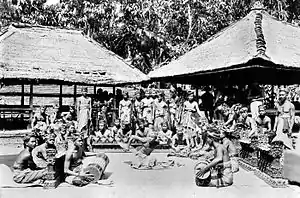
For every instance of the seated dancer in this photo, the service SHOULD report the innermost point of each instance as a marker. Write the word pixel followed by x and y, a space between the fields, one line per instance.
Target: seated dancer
pixel 40 119
pixel 246 122
pixel 180 144
pixel 165 133
pixel 24 169
pixel 142 153
pixel 103 134
pixel 73 165
pixel 232 152
pixel 39 155
pixel 220 166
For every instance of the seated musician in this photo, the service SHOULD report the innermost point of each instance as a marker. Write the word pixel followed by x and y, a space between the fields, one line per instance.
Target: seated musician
pixel 220 166
pixel 39 153
pixel 180 144
pixel 24 169
pixel 40 119
pixel 231 149
pixel 73 165
pixel 71 129
pixel 246 122
pixel 233 115
pixel 203 151
pixel 262 120
pixel 103 133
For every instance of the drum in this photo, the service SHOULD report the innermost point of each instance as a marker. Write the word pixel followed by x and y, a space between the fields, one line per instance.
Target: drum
pixel 204 179
pixel 95 166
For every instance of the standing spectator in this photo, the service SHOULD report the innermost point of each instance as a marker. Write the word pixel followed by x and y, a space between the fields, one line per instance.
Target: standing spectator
pixel 125 108
pixel 285 120
pixel 208 104
pixel 84 113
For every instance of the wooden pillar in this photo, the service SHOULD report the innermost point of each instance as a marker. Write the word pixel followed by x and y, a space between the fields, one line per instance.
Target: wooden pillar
pixel 197 94
pixel 114 104
pixel 272 97
pixel 22 97
pixel 75 93
pixel 60 95
pixel 95 89
pixel 31 103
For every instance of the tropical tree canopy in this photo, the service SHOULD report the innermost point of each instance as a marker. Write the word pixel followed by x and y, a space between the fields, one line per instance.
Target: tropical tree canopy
pixel 147 33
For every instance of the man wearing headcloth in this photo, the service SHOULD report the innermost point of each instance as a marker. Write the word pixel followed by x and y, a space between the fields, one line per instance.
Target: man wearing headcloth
pixel 246 122
pixel 24 169
pixel 285 120
pixel 147 105
pixel 159 112
pixel 84 112
pixel 220 166
pixel 74 167
pixel 39 153
pixel 262 120
pixel 125 108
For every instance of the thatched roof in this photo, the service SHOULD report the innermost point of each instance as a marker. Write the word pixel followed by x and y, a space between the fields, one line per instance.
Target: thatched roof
pixel 256 48
pixel 51 55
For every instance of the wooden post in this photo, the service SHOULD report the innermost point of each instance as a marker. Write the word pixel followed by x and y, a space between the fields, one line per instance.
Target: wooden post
pixel 75 93
pixel 114 105
pixel 22 97
pixel 95 89
pixel 31 102
pixel 22 100
pixel 60 95
pixel 197 94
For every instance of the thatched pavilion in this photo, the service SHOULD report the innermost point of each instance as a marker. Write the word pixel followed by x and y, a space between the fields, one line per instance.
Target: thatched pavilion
pixel 257 48
pixel 47 55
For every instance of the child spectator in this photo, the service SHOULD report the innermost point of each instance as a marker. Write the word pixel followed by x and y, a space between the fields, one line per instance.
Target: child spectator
pixel 103 134
pixel 142 130
pixel 125 132
pixel 165 133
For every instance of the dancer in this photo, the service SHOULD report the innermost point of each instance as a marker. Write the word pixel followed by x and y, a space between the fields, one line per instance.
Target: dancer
pixel 24 169
pixel 142 153
pixel 190 111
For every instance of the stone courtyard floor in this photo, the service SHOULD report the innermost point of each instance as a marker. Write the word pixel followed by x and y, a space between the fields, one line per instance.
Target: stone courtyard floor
pixel 175 182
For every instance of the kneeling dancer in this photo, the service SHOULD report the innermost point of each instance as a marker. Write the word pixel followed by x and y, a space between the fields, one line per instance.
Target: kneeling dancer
pixel 24 169
pixel 142 153
pixel 220 166
pixel 77 172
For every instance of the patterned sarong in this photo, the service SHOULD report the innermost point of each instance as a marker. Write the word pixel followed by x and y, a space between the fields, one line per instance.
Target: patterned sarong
pixel 28 175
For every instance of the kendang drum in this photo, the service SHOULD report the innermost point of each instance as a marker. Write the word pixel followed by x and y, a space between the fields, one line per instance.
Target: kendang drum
pixel 204 179
pixel 95 166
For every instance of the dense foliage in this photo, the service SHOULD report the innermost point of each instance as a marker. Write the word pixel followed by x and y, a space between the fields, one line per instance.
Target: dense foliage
pixel 147 33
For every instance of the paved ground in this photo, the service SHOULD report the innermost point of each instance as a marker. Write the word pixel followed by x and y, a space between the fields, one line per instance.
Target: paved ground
pixel 176 182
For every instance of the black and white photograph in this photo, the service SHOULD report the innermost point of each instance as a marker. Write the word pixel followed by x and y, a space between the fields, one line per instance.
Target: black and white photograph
pixel 149 98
